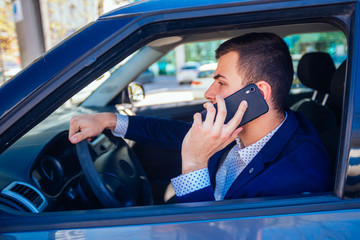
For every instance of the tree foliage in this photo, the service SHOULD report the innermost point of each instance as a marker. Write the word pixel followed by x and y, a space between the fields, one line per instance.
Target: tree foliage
pixel 8 40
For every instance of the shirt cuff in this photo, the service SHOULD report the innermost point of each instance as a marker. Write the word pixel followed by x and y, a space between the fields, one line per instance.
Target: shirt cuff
pixel 191 182
pixel 122 123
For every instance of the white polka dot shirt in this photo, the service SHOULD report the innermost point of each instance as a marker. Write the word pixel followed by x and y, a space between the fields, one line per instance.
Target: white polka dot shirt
pixel 235 162
pixel 122 123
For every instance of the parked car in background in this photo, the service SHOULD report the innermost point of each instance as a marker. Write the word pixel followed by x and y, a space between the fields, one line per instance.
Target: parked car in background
pixel 187 72
pixel 46 192
pixel 203 80
pixel 205 76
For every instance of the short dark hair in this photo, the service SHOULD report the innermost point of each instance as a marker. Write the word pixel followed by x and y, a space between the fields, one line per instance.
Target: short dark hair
pixel 263 56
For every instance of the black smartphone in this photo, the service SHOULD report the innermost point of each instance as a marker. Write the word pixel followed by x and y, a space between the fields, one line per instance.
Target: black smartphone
pixel 257 106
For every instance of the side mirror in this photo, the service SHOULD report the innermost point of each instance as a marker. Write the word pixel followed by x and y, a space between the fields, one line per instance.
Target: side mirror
pixel 136 92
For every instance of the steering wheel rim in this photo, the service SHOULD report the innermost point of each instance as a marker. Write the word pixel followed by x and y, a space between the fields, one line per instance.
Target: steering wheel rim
pixel 96 183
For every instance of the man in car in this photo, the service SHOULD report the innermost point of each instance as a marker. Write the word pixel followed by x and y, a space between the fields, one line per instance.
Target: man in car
pixel 279 153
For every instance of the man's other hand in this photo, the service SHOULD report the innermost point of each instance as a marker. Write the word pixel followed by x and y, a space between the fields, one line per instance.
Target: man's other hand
pixel 206 138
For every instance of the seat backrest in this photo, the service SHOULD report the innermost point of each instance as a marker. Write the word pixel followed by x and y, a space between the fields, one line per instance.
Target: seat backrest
pixel 315 70
pixel 337 91
pixel 330 138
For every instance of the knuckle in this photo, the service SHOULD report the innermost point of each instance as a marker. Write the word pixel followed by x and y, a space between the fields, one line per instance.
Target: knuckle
pixel 215 135
pixel 224 137
pixel 75 120
pixel 196 125
pixel 205 130
pixel 196 129
pixel 222 112
pixel 211 110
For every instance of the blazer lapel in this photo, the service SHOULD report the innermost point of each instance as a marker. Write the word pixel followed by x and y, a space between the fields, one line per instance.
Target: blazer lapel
pixel 267 154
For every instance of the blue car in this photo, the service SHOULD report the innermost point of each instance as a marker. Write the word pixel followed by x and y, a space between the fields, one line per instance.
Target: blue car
pixel 48 191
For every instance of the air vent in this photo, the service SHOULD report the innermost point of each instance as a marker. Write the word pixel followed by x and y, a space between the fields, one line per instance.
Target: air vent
pixel 26 195
pixel 13 203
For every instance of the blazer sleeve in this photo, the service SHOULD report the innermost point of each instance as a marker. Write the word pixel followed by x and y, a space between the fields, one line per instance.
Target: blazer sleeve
pixel 163 133
pixel 201 195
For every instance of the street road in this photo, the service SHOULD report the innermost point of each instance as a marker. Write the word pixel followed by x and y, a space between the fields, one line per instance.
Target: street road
pixel 165 89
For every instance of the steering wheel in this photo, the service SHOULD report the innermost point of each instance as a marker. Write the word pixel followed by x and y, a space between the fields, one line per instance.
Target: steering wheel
pixel 116 177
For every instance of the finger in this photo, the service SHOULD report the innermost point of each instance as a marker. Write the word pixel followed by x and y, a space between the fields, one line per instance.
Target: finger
pixel 235 121
pixel 78 137
pixel 83 134
pixel 221 113
pixel 197 119
pixel 210 115
pixel 232 137
pixel 235 134
pixel 74 127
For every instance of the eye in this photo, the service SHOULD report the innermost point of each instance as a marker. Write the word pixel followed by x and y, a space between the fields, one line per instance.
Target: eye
pixel 221 83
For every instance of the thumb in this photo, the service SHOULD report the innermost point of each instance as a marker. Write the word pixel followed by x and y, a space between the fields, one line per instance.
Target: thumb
pixel 78 137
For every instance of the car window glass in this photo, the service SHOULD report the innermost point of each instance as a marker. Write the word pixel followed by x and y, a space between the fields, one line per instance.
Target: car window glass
pixel 189 81
pixel 185 73
pixel 333 43
pixel 177 75
pixel 90 88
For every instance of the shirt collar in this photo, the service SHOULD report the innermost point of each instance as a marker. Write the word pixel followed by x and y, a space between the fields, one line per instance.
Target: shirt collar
pixel 248 153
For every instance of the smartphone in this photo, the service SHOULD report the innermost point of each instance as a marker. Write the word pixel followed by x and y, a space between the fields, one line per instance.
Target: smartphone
pixel 257 105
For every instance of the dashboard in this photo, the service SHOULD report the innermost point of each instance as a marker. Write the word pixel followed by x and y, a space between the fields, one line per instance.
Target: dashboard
pixel 55 180
pixel 57 166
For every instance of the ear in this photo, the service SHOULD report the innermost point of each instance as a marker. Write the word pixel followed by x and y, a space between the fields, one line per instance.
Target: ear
pixel 265 90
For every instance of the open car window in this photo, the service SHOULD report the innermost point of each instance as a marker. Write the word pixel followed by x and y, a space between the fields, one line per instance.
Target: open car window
pixel 169 80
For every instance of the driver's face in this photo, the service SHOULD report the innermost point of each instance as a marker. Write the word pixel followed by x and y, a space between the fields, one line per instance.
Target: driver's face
pixel 226 78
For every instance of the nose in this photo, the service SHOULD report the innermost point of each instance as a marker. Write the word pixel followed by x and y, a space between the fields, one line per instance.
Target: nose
pixel 210 94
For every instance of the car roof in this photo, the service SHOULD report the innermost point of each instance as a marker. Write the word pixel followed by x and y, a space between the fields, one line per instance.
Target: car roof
pixel 155 6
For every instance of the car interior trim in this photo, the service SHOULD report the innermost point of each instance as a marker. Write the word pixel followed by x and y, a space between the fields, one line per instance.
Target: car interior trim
pixel 27 195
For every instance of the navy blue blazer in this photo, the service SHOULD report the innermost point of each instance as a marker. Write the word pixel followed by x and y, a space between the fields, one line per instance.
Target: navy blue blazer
pixel 293 161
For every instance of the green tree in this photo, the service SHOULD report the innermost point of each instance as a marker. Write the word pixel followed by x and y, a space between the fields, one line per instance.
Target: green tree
pixel 8 41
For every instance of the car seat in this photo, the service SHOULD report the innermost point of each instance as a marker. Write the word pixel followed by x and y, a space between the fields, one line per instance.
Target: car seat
pixel 330 137
pixel 315 70
pixel 337 91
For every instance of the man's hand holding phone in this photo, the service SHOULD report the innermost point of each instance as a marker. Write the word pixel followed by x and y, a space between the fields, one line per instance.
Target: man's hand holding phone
pixel 206 138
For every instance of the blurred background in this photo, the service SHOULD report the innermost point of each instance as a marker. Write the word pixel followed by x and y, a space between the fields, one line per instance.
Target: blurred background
pixel 28 28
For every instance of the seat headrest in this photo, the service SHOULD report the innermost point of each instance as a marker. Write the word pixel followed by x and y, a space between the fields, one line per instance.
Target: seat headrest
pixel 315 71
pixel 338 85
